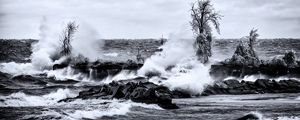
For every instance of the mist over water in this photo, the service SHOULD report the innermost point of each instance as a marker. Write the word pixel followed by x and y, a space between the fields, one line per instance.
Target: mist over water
pixel 178 64
pixel 86 43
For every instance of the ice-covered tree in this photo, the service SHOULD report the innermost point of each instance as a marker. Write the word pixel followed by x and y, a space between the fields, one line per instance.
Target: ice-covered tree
pixel 66 38
pixel 252 39
pixel 245 53
pixel 203 17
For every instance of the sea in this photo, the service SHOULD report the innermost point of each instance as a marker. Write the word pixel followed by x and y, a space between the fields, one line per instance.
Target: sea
pixel 37 99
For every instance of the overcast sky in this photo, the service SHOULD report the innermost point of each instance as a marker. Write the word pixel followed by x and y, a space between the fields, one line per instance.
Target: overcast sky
pixel 149 18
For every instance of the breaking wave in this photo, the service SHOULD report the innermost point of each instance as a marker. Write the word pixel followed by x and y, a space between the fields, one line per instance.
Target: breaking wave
pixel 253 78
pixel 91 109
pixel 21 99
pixel 178 64
pixel 260 116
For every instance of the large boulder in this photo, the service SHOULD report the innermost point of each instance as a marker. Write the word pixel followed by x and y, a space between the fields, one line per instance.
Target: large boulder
pixel 144 92
pixel 250 116
pixel 179 93
pixel 100 70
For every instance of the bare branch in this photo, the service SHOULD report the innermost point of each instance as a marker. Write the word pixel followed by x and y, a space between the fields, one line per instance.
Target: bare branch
pixel 67 37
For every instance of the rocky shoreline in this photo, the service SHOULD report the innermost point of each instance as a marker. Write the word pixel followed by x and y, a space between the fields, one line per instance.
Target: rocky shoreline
pixel 222 70
pixel 141 92
pixel 260 86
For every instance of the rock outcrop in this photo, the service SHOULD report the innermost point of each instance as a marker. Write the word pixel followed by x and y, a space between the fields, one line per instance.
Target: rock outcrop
pixel 143 92
pixel 100 70
pixel 258 87
pixel 243 56
pixel 287 65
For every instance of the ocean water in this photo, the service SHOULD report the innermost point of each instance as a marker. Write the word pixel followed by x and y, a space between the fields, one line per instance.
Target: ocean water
pixel 35 100
pixel 216 107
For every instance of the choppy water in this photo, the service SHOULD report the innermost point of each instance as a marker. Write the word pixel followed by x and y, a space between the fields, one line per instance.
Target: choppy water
pixel 27 101
pixel 217 107
pixel 222 48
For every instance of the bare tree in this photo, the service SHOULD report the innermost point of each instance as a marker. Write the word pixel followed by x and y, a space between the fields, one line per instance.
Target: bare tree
pixel 67 37
pixel 203 15
pixel 139 57
pixel 253 35
pixel 244 53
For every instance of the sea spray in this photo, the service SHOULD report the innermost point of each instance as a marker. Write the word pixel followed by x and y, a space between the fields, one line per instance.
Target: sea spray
pixel 176 48
pixel 114 107
pixel 87 42
pixel 190 76
pixel 255 77
pixel 48 47
pixel 178 64
pixel 21 99
pixel 259 116
pixel 86 45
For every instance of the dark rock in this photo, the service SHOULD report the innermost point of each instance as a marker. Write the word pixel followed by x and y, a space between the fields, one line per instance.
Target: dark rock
pixel 100 70
pixel 180 94
pixel 243 63
pixel 263 83
pixel 4 76
pixel 247 87
pixel 150 74
pixel 144 92
pixel 222 71
pixel 59 66
pixel 128 89
pixel 68 81
pixel 117 92
pixel 250 116
pixel 232 83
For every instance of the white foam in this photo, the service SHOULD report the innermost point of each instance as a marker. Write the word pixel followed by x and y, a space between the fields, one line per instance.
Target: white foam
pixel 65 73
pixel 86 43
pixel 111 54
pixel 97 108
pixel 253 78
pixel 188 73
pixel 20 99
pixel 262 117
pixel 111 109
pixel 18 68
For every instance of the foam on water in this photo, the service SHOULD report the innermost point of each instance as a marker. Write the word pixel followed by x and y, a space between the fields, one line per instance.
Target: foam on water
pixel 86 43
pixel 123 75
pixel 92 109
pixel 66 73
pixel 253 78
pixel 189 75
pixel 115 107
pixel 114 54
pixel 21 99
pixel 18 68
pixel 28 69
pixel 262 117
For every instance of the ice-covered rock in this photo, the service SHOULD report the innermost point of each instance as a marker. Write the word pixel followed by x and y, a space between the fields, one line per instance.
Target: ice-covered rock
pixel 243 56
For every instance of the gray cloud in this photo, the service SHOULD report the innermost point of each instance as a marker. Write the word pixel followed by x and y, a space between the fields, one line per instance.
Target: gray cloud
pixel 149 19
